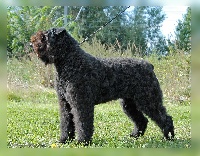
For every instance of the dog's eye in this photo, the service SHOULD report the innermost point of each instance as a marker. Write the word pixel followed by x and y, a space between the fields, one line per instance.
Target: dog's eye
pixel 53 31
pixel 43 38
pixel 39 45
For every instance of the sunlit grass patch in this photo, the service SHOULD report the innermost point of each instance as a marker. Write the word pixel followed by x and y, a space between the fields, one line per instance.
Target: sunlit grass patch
pixel 36 125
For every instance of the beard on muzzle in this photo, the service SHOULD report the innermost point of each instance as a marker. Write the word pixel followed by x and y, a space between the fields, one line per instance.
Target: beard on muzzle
pixel 45 59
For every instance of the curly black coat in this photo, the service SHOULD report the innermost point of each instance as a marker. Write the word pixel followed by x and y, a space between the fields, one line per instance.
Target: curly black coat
pixel 84 81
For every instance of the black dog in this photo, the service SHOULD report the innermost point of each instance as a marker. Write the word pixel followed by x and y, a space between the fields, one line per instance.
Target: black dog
pixel 84 81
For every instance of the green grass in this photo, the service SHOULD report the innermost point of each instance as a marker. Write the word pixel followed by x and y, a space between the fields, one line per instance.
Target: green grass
pixel 34 122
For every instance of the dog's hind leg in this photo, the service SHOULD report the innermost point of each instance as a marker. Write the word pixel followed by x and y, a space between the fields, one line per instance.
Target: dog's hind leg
pixel 157 113
pixel 139 120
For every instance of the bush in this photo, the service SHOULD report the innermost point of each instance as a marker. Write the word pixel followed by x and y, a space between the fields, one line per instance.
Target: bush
pixel 174 75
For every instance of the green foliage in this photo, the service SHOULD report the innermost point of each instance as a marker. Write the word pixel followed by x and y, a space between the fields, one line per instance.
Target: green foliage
pixel 137 28
pixel 114 33
pixel 137 31
pixel 174 75
pixel 144 31
pixel 183 32
pixel 87 23
pixel 27 72
pixel 13 97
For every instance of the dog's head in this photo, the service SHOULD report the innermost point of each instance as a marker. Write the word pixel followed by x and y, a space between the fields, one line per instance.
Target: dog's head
pixel 47 44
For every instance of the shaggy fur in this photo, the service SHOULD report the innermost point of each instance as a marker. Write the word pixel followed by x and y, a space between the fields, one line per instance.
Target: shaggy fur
pixel 84 81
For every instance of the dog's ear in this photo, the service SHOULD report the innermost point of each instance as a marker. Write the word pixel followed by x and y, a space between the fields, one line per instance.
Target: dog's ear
pixel 54 32
pixel 60 31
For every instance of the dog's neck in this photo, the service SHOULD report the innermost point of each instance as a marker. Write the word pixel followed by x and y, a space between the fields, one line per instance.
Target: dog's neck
pixel 70 55
pixel 68 62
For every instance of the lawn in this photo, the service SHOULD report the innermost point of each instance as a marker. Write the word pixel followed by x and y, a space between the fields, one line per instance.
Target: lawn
pixel 33 122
